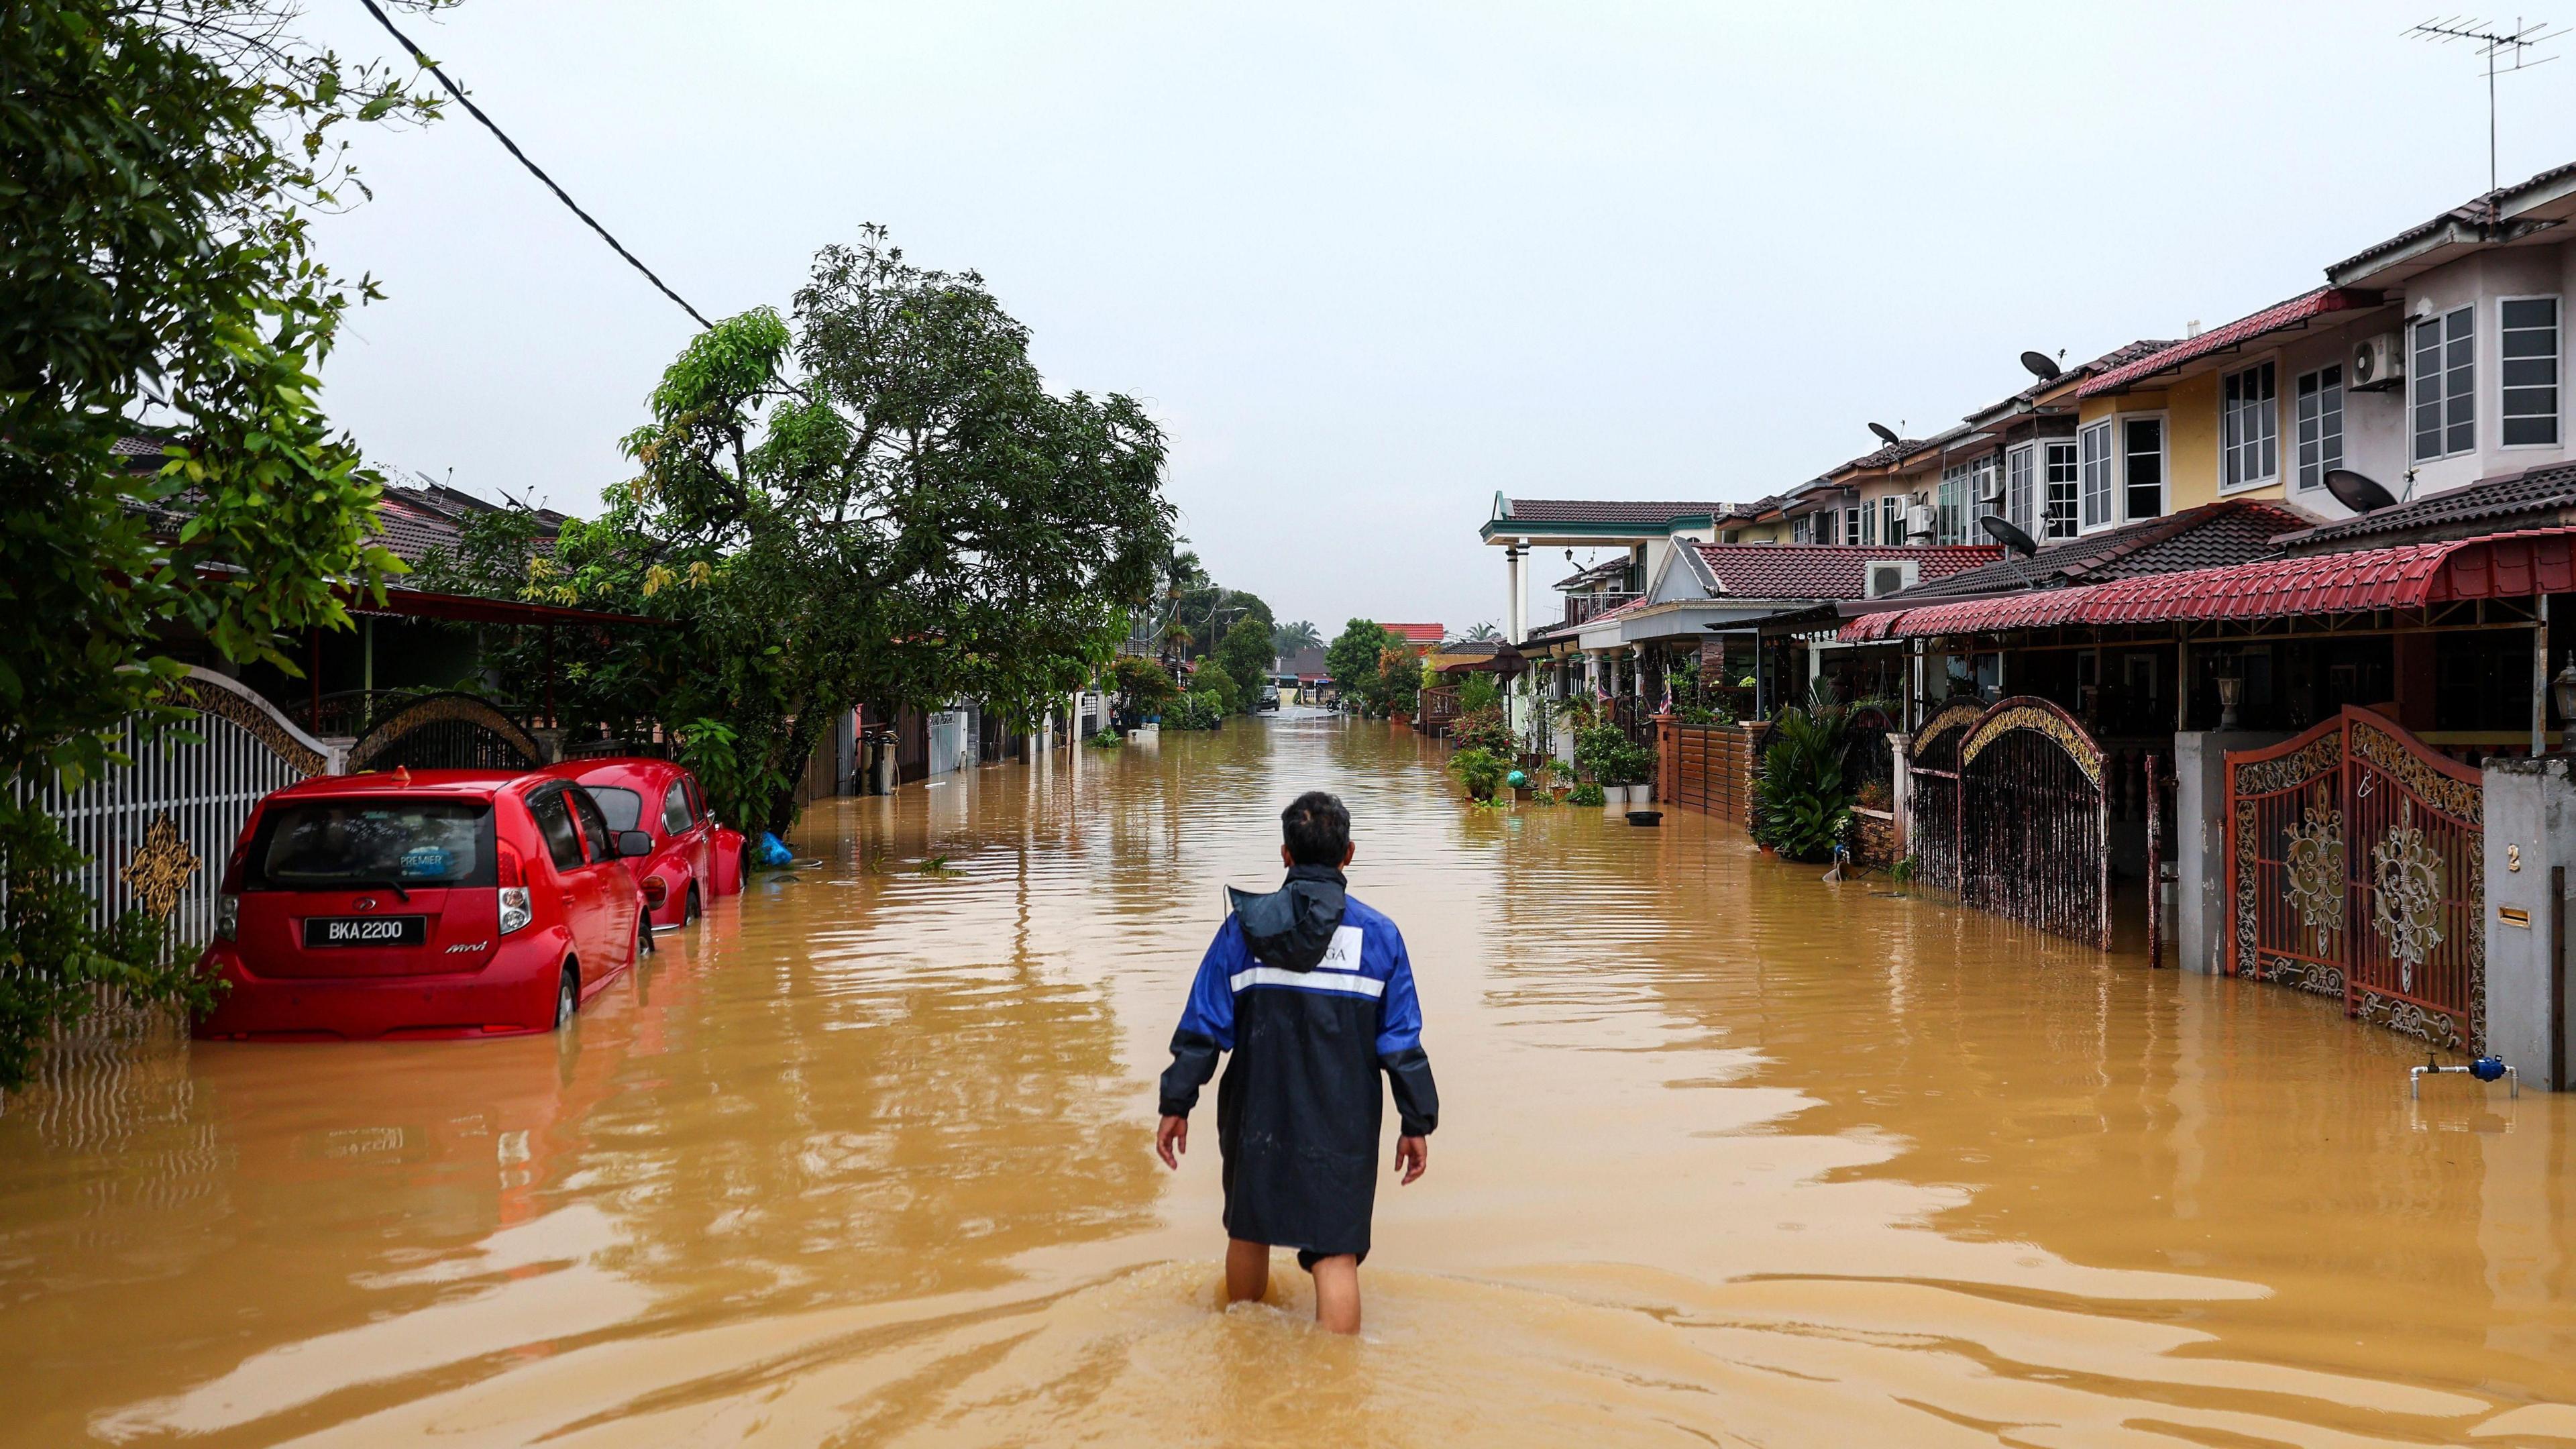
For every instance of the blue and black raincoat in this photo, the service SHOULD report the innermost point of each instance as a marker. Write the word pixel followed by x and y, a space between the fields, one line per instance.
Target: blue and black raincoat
pixel 1311 992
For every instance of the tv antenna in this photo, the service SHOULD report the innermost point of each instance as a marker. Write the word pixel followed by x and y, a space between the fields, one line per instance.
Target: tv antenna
pixel 2512 47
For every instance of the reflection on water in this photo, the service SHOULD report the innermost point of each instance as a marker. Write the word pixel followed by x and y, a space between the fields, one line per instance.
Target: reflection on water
pixel 1728 1155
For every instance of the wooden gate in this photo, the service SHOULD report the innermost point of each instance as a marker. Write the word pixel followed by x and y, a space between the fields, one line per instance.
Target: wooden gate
pixel 1439 709
pixel 1932 814
pixel 2034 822
pixel 1707 768
pixel 158 830
pixel 2356 869
pixel 450 731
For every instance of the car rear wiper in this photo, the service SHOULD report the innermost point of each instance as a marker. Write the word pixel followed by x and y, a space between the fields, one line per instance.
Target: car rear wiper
pixel 392 885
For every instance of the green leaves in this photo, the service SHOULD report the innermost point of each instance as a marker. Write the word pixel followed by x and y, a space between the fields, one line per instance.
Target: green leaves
pixel 155 264
pixel 1801 806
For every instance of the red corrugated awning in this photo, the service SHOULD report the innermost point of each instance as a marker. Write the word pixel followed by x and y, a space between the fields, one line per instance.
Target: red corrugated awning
pixel 2498 566
pixel 2292 313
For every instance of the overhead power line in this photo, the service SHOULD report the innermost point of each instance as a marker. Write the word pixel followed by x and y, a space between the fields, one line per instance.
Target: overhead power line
pixel 422 58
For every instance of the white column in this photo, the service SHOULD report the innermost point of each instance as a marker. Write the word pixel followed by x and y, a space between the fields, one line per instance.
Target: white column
pixel 1516 611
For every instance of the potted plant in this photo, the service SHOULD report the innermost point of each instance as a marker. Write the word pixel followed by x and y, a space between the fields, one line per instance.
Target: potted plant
pixel 1481 771
pixel 1802 809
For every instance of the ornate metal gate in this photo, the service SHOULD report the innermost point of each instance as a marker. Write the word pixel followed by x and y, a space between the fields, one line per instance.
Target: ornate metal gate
pixel 445 732
pixel 1932 823
pixel 2034 822
pixel 157 831
pixel 2356 869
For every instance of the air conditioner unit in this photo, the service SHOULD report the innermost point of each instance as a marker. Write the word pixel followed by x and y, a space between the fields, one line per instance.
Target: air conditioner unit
pixel 1886 576
pixel 2377 362
pixel 1918 523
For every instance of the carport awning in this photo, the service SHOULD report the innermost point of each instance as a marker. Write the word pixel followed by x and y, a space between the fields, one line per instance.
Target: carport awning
pixel 2415 576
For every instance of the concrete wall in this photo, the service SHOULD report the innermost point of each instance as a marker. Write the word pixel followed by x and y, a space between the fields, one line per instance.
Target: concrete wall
pixel 2200 851
pixel 2530 811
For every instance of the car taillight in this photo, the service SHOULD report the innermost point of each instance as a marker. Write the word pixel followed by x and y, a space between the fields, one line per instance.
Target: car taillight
pixel 513 894
pixel 656 891
pixel 514 908
pixel 227 917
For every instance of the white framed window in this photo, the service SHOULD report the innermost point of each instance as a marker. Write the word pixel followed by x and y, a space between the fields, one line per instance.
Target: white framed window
pixel 2057 478
pixel 2142 467
pixel 2249 428
pixel 2320 407
pixel 1950 513
pixel 1851 524
pixel 1868 522
pixel 1891 519
pixel 2442 380
pixel 2527 329
pixel 1802 529
pixel 2095 443
pixel 2021 469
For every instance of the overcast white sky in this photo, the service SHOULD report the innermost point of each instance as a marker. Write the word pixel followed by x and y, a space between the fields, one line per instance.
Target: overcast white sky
pixel 1371 263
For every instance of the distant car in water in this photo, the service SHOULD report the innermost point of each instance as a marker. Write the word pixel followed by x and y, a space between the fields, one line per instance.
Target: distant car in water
pixel 435 903
pixel 1270 696
pixel 686 866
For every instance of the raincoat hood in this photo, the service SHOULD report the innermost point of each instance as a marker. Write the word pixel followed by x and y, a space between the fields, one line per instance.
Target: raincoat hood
pixel 1293 926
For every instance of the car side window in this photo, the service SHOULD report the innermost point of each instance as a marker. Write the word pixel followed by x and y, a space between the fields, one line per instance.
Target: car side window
pixel 554 820
pixel 594 825
pixel 675 809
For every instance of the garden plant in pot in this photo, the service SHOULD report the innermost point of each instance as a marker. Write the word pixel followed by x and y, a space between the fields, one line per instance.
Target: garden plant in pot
pixel 1618 766
pixel 1481 771
pixel 1802 808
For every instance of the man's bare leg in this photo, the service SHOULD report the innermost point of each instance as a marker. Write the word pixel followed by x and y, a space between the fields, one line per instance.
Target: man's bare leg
pixel 1247 1271
pixel 1337 1293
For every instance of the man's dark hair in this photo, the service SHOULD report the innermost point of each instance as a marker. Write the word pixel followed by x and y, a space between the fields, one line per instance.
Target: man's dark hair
pixel 1317 828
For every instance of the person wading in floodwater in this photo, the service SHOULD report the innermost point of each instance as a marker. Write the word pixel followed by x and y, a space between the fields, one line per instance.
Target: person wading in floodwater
pixel 1312 993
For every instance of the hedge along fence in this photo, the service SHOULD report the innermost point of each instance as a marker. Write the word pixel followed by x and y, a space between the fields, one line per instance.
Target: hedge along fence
pixel 1708 768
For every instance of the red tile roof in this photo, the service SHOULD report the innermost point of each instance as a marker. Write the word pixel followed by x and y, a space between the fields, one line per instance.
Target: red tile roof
pixel 1417 633
pixel 1826 570
pixel 2291 313
pixel 2412 576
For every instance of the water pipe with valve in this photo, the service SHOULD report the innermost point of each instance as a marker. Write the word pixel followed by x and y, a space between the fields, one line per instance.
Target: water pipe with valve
pixel 2485 1069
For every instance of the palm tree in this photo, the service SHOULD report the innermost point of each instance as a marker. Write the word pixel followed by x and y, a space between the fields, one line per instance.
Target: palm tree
pixel 1479 633
pixel 1287 639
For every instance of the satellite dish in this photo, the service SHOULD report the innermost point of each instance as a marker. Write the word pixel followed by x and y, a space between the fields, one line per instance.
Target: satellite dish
pixel 2004 531
pixel 2041 366
pixel 2357 492
pixel 1885 433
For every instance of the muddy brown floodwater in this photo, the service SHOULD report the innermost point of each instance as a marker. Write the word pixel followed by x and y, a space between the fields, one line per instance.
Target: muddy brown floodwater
pixel 1728 1155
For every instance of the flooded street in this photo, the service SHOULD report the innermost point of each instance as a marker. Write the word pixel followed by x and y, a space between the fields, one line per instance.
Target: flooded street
pixel 1727 1155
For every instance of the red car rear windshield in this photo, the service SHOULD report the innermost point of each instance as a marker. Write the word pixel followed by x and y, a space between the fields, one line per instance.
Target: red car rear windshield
pixel 345 843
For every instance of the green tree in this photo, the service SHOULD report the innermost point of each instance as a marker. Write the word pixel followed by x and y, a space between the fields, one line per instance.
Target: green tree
pixel 156 276
pixel 1352 657
pixel 1287 639
pixel 1246 658
pixel 1397 686
pixel 874 497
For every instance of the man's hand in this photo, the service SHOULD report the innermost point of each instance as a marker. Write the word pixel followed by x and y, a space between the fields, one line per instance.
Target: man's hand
pixel 1412 1157
pixel 1172 1139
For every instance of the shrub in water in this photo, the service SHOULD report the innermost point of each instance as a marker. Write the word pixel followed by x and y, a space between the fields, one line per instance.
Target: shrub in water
pixel 1481 771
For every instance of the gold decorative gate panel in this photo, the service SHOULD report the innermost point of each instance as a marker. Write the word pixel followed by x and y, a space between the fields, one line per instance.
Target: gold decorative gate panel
pixel 2034 823
pixel 1932 811
pixel 2356 869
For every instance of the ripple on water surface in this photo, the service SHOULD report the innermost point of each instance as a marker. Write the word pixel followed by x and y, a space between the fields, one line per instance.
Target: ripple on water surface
pixel 1728 1155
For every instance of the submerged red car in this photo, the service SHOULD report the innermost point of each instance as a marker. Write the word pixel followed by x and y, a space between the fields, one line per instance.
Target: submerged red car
pixel 424 904
pixel 693 860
